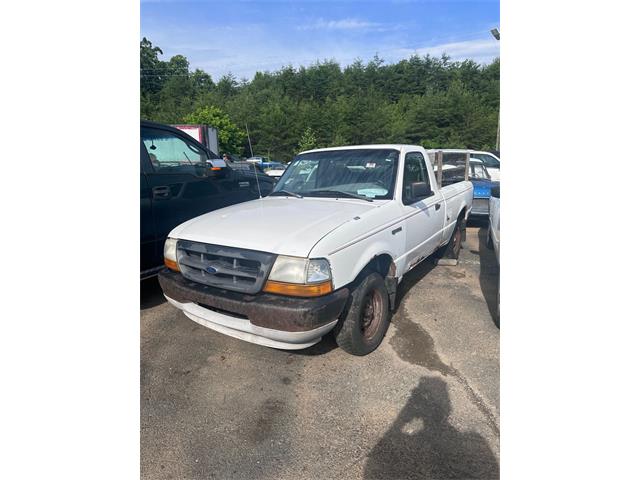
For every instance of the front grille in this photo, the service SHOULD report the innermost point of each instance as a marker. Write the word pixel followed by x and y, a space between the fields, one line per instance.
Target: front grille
pixel 230 268
pixel 480 205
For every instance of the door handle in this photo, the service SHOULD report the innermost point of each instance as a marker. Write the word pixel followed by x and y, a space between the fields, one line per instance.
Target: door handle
pixel 161 193
pixel 437 206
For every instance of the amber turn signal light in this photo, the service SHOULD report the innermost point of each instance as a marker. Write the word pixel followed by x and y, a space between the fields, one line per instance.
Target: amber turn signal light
pixel 298 290
pixel 171 265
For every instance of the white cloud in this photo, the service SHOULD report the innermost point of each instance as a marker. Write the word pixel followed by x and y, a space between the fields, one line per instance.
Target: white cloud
pixel 482 50
pixel 243 52
pixel 348 24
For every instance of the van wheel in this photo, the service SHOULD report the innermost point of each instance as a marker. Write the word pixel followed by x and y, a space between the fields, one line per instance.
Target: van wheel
pixel 366 320
pixel 452 249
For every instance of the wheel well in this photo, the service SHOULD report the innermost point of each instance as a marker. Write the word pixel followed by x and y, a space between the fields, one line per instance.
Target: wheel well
pixel 462 220
pixel 383 264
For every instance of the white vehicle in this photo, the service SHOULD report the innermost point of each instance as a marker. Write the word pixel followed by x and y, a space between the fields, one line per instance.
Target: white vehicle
pixel 489 159
pixel 493 233
pixel 257 159
pixel 275 172
pixel 324 252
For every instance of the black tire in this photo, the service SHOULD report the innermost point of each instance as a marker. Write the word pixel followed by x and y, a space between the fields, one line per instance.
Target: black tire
pixel 452 249
pixel 365 320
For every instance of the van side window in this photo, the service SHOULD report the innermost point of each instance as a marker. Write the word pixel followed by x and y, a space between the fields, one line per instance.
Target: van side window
pixel 171 154
pixel 415 170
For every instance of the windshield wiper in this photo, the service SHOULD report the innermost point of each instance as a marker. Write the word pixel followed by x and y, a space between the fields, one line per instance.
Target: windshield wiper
pixel 287 192
pixel 340 192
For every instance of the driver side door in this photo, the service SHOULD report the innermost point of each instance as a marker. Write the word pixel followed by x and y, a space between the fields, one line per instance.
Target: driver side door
pixel 423 216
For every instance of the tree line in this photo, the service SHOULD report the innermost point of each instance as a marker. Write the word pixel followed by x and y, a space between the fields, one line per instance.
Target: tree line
pixel 433 102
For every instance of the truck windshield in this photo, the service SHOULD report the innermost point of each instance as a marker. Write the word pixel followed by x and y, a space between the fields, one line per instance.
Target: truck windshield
pixel 367 173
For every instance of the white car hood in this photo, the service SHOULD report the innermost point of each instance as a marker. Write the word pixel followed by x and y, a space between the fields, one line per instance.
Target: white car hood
pixel 282 225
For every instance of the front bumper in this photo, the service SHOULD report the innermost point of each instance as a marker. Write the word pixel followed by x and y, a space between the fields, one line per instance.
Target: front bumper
pixel 266 319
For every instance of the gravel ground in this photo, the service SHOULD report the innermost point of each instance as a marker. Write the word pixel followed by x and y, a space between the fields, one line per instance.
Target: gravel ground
pixel 425 404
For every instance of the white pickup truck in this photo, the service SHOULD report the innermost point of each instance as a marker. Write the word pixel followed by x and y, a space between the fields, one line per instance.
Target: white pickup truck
pixel 324 252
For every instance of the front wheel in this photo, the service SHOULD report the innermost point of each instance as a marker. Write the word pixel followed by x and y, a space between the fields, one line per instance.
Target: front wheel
pixel 366 318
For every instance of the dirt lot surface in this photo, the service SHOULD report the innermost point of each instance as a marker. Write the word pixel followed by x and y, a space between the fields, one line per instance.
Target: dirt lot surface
pixel 423 405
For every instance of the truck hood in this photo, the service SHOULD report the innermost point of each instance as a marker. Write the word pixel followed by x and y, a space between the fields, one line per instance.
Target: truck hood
pixel 282 225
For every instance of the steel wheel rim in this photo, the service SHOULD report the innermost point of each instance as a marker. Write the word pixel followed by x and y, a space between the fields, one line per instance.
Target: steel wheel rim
pixel 371 316
pixel 457 237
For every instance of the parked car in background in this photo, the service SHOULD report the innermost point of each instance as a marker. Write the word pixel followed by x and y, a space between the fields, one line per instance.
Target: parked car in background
pixel 264 162
pixel 478 176
pixel 276 171
pixel 490 161
pixel 482 185
pixel 181 179
pixel 323 253
pixel 257 159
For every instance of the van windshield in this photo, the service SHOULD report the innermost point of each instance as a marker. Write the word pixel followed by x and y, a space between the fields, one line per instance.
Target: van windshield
pixel 367 173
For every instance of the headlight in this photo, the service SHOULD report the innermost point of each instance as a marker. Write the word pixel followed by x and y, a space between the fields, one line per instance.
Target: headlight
pixel 300 277
pixel 318 270
pixel 170 254
pixel 289 269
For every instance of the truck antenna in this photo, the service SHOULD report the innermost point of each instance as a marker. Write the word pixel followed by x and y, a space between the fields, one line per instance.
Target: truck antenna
pixel 250 147
pixel 255 168
pixel 255 171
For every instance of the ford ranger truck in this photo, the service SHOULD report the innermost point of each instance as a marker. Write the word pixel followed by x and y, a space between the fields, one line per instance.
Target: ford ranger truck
pixel 323 253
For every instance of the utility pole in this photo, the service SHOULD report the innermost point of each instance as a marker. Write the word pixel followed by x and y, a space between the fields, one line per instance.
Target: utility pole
pixel 496 34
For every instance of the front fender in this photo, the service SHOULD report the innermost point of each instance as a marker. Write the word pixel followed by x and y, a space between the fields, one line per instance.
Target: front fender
pixel 346 264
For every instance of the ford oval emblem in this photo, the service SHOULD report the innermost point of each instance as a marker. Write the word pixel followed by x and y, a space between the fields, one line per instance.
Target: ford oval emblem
pixel 211 269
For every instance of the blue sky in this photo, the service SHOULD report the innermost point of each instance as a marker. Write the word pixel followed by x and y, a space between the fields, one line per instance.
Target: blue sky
pixel 242 37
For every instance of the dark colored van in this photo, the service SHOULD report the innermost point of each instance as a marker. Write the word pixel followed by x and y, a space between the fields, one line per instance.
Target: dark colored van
pixel 179 180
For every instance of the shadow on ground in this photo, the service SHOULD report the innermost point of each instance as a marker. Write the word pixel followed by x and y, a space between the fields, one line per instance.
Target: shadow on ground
pixel 421 442
pixel 325 345
pixel 414 276
pixel 150 293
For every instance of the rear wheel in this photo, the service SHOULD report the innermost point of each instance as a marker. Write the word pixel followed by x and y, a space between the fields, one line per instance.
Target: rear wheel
pixel 452 249
pixel 366 318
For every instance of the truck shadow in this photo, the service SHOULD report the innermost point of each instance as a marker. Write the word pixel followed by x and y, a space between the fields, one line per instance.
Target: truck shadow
pixel 150 293
pixel 421 442
pixel 412 277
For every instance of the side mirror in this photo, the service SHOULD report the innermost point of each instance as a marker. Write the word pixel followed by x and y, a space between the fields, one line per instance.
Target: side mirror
pixel 217 167
pixel 420 190
pixel 495 191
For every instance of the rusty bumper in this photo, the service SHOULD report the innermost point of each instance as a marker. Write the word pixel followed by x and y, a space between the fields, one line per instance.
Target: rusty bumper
pixel 275 312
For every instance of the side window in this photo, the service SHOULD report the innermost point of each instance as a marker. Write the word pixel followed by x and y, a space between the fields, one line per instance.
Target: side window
pixel 415 170
pixel 171 154
pixel 489 161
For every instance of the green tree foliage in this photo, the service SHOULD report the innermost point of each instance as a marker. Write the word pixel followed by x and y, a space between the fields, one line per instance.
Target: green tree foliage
pixel 307 141
pixel 230 137
pixel 420 100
